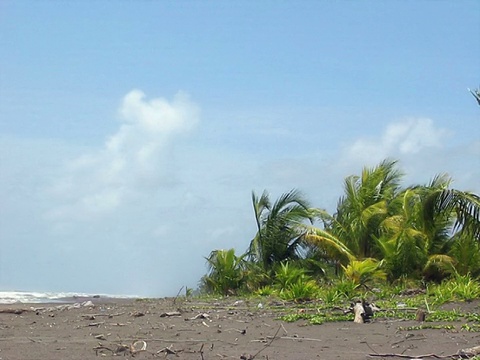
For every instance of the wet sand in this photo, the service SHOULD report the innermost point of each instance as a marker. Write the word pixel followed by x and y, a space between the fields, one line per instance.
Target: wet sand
pixel 216 329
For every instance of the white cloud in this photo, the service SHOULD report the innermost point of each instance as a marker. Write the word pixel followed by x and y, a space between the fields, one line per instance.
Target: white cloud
pixel 135 160
pixel 406 137
pixel 422 149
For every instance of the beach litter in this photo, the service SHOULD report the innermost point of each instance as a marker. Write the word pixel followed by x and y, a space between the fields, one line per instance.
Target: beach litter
pixel 133 349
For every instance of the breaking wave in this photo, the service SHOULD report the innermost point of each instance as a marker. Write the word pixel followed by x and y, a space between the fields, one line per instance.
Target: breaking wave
pixel 31 297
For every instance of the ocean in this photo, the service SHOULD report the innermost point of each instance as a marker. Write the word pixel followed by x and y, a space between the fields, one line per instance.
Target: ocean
pixel 32 297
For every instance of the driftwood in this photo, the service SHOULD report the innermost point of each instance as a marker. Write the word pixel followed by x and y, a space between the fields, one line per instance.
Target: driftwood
pixel 134 348
pixel 470 352
pixel 169 350
pixel 95 324
pixel 137 314
pixel 200 316
pixel 13 311
pixel 418 357
pixel 359 311
pixel 171 313
pixel 93 316
pixel 363 311
pixel 460 354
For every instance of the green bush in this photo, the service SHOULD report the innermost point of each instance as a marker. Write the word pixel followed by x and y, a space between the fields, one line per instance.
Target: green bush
pixel 302 290
pixel 287 274
pixel 460 287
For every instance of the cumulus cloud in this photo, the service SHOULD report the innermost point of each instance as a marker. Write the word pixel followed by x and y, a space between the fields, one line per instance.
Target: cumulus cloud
pixel 422 149
pixel 133 161
pixel 406 137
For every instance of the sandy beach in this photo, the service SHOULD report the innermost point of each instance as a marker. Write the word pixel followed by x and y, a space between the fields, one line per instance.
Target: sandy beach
pixel 201 330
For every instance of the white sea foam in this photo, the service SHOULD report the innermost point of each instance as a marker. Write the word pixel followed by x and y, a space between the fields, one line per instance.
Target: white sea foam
pixel 32 297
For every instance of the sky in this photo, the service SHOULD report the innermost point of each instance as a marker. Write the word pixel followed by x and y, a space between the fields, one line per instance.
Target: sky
pixel 132 133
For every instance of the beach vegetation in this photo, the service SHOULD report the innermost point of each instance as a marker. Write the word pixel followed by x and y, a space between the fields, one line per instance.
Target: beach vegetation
pixel 226 272
pixel 303 289
pixel 381 239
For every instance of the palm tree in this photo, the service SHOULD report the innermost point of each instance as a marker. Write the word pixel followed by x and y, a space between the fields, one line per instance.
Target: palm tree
pixel 226 272
pixel 462 249
pixel 476 94
pixel 420 236
pixel 466 252
pixel 429 230
pixel 279 228
pixel 403 244
pixel 327 248
pixel 463 206
pixel 364 206
pixel 406 239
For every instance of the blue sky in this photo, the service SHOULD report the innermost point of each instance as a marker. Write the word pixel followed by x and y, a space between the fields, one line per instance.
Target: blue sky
pixel 133 133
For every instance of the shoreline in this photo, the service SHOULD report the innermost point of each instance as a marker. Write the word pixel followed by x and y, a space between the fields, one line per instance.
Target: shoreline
pixel 32 297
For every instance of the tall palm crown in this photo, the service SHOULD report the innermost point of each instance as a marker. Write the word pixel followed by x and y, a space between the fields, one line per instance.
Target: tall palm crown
pixel 279 228
pixel 406 240
pixel 364 206
pixel 463 206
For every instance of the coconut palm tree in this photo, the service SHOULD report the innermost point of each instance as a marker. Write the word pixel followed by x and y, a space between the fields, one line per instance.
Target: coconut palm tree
pixel 364 206
pixel 420 234
pixel 463 206
pixel 327 249
pixel 279 228
pixel 407 240
pixel 403 243
pixel 226 272
pixel 462 211
pixel 465 251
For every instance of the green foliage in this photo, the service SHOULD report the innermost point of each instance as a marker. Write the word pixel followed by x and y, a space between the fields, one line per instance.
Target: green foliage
pixel 391 291
pixel 279 228
pixel 427 326
pixel 451 315
pixel 287 274
pixel 461 205
pixel 255 277
pixel 317 318
pixel 332 296
pixel 293 283
pixel 301 290
pixel 364 206
pixel 466 251
pixel 471 328
pixel 346 288
pixel 379 230
pixel 466 288
pixel 266 291
pixel 364 272
pixel 439 267
pixel 226 272
pixel 461 287
pixel 331 246
pixel 395 306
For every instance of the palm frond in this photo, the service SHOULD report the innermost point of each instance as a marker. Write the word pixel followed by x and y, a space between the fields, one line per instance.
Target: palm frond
pixel 332 245
pixel 465 206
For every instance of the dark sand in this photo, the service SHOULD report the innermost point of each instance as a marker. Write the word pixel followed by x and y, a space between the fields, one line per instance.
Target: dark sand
pixel 230 330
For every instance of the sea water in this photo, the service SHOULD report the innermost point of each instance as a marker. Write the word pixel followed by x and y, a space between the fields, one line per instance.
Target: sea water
pixel 32 297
